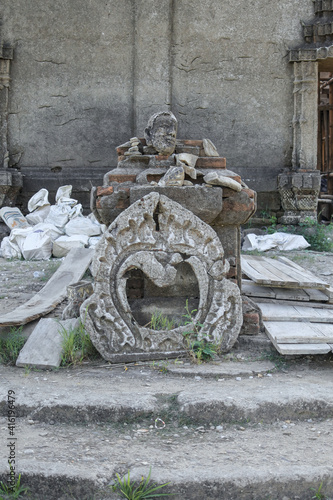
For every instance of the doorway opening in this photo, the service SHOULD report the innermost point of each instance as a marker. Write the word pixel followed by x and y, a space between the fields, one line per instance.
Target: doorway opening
pixel 325 144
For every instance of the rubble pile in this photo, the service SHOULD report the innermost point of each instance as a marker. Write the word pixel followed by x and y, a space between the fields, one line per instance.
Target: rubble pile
pixel 48 230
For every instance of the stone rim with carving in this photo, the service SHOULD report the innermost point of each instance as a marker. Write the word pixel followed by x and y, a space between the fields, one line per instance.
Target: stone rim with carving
pixel 155 234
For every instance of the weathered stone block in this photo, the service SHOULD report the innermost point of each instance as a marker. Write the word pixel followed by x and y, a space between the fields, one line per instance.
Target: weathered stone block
pixel 204 202
pixel 43 348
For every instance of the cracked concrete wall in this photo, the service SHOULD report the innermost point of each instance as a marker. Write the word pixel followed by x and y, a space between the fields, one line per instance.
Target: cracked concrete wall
pixel 86 76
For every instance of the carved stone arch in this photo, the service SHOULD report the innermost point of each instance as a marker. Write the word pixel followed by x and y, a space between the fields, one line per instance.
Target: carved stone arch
pixel 155 235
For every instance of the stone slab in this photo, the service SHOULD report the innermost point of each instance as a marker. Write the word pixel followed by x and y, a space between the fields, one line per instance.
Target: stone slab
pixel 204 202
pixel 43 348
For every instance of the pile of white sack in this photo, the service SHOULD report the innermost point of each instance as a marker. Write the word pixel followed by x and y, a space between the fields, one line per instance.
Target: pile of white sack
pixel 48 230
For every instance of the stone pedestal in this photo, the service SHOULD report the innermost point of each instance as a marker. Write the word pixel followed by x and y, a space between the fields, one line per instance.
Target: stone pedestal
pixel 299 195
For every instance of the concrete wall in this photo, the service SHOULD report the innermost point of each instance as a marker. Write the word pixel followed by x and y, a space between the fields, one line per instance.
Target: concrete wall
pixel 87 74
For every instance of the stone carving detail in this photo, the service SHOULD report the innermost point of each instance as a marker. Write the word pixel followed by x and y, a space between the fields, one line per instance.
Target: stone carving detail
pixel 305 120
pixel 155 235
pixel 299 195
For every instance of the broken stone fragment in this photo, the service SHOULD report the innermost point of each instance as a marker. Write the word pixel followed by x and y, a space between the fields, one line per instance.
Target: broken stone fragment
pixel 209 148
pixel 217 179
pixel 173 177
pixel 187 183
pixel 187 161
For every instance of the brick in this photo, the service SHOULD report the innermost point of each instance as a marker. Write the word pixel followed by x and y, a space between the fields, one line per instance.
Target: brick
pixel 162 157
pixel 122 177
pixel 252 317
pixel 135 283
pixel 211 162
pixel 134 294
pixel 232 273
pixel 154 177
pixel 103 191
pixel 122 150
pixel 189 142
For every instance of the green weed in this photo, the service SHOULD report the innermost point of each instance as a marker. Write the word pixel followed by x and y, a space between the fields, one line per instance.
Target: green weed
pixel 138 491
pixel 318 494
pixel 10 346
pixel 160 322
pixel 320 236
pixel 199 349
pixel 76 345
pixel 11 492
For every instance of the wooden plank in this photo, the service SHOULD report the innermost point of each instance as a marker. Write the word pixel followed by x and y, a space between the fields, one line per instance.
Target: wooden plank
pixel 253 290
pixel 294 349
pixel 271 272
pixel 282 312
pixel 304 272
pixel 317 295
pixel 71 270
pixel 291 294
pixel 315 305
pixel 288 332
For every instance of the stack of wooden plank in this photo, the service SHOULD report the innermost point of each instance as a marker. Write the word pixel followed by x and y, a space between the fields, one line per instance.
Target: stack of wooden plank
pixel 296 305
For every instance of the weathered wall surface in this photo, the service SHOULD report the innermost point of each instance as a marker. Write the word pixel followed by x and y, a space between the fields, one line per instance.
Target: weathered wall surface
pixel 87 75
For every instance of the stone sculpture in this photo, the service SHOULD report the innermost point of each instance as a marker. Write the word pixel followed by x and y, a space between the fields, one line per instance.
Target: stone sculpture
pixel 155 235
pixel 174 213
pixel 161 133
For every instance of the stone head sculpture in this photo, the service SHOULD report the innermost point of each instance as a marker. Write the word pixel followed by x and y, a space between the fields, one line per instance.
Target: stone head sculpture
pixel 161 132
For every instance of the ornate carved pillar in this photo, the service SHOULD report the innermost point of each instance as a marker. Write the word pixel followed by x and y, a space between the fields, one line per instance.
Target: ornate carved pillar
pixel 6 54
pixel 299 187
pixel 10 179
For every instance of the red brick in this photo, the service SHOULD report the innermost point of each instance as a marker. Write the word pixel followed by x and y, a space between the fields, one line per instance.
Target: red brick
pixel 104 191
pixel 122 177
pixel 162 157
pixel 211 162
pixel 232 273
pixel 154 177
pixel 251 318
pixel 122 150
pixel 134 294
pixel 189 142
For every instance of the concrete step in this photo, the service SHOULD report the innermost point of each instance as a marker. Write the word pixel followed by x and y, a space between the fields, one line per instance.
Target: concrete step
pixel 246 433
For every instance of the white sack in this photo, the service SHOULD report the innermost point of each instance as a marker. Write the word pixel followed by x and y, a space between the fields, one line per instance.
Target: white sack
pixel 18 235
pixel 76 211
pixel 64 244
pixel 50 229
pixel 58 216
pixel 82 225
pixel 37 246
pixel 10 249
pixel 95 221
pixel 13 217
pixel 39 215
pixel 63 191
pixel 40 199
pixel 279 241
